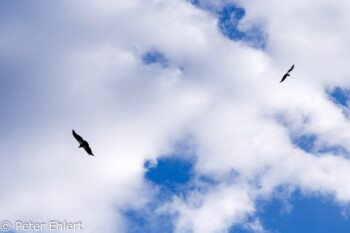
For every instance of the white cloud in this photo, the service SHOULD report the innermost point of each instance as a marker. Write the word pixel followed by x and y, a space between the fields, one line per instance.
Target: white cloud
pixel 214 211
pixel 86 70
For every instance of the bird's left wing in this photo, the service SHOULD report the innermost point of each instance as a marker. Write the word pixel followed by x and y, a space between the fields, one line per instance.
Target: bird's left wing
pixel 79 139
pixel 284 77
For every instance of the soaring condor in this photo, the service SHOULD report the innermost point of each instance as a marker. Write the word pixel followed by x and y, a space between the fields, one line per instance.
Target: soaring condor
pixel 287 74
pixel 83 143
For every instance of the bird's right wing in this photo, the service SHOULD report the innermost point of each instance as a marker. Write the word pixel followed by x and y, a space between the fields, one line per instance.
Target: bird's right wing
pixel 88 150
pixel 79 139
pixel 291 68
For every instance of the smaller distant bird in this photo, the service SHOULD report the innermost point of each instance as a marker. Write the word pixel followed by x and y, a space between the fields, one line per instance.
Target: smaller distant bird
pixel 83 143
pixel 287 74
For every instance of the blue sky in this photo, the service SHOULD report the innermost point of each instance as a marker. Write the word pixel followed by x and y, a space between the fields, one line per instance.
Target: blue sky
pixel 298 212
pixel 181 104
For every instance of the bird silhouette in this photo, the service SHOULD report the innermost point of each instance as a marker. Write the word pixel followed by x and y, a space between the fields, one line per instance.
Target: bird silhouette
pixel 83 143
pixel 287 74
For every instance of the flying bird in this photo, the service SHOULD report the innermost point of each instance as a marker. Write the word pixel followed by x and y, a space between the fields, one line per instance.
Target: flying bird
pixel 287 74
pixel 83 143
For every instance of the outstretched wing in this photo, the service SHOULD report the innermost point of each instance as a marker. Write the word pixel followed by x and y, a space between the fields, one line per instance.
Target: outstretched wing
pixel 79 139
pixel 291 68
pixel 284 77
pixel 88 149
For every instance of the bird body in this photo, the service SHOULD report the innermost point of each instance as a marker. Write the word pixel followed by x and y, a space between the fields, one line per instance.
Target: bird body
pixel 83 143
pixel 287 74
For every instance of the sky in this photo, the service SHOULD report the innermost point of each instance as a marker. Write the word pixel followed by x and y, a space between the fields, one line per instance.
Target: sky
pixel 182 105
